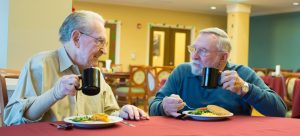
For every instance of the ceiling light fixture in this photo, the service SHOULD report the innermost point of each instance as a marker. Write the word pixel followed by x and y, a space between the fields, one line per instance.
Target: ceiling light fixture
pixel 213 7
pixel 295 3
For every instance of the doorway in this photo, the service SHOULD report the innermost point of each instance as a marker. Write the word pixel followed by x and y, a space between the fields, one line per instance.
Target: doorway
pixel 168 46
pixel 112 35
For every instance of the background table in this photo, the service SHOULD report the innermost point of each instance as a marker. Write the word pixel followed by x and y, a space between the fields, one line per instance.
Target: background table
pixel 276 83
pixel 166 126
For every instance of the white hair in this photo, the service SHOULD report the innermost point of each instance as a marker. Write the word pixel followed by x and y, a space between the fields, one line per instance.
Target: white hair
pixel 223 39
pixel 79 20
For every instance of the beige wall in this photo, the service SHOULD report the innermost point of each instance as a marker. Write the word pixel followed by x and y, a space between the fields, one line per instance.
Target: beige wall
pixel 135 40
pixel 33 27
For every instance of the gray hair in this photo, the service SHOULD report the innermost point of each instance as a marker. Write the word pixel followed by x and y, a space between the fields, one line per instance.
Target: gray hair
pixel 223 39
pixel 79 20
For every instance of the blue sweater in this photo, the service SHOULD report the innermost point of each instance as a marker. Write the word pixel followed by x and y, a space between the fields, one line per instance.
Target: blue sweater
pixel 183 83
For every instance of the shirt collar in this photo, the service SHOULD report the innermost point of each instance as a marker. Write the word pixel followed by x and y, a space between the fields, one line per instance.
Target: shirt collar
pixel 64 60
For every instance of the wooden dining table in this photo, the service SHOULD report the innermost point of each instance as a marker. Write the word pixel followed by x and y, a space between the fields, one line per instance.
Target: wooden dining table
pixel 167 126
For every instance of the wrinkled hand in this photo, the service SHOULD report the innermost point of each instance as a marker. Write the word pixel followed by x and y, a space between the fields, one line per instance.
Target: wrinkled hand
pixel 232 81
pixel 66 86
pixel 132 112
pixel 172 104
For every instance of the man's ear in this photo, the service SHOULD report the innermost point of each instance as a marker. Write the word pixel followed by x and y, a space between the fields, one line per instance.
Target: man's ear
pixel 75 38
pixel 223 61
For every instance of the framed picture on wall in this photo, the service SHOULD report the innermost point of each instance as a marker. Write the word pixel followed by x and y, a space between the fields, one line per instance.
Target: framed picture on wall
pixel 156 44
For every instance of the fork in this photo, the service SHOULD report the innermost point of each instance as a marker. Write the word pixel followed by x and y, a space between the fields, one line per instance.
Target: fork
pixel 128 124
pixel 189 107
pixel 62 126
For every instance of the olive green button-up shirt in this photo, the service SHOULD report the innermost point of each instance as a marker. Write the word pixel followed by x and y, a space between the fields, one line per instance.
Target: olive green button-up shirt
pixel 39 75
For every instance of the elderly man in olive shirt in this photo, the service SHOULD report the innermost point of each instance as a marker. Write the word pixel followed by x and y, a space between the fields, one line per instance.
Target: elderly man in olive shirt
pixel 46 90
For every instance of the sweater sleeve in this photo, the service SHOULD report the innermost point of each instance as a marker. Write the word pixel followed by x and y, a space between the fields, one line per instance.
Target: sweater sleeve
pixel 261 97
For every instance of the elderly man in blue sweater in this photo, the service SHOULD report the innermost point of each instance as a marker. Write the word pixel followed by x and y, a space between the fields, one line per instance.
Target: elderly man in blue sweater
pixel 241 87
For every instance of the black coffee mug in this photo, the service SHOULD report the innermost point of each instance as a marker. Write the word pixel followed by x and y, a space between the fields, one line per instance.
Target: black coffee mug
pixel 90 81
pixel 210 77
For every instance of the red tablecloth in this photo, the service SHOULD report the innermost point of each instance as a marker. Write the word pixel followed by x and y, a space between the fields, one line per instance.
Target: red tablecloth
pixel 296 100
pixel 276 83
pixel 166 126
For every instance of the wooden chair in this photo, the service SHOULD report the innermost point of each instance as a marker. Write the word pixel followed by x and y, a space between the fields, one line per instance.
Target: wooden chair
pixel 136 88
pixel 163 72
pixel 290 74
pixel 5 73
pixel 290 83
pixel 272 70
pixel 286 70
pixel 261 71
pixel 152 84
pixel 116 67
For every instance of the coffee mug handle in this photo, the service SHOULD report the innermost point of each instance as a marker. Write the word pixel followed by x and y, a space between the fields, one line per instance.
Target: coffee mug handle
pixel 219 79
pixel 79 88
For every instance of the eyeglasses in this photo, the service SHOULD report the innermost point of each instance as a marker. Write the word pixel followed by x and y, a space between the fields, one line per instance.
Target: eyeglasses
pixel 202 52
pixel 100 42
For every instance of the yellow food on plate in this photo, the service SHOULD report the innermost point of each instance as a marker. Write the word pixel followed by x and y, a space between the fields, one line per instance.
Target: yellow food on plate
pixel 210 110
pixel 218 110
pixel 208 114
pixel 100 117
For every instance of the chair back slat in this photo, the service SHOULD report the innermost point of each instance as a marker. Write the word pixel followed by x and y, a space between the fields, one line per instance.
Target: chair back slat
pixel 152 83
pixel 261 71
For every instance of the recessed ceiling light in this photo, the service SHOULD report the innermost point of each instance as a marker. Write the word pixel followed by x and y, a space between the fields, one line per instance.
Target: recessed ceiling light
pixel 213 7
pixel 295 3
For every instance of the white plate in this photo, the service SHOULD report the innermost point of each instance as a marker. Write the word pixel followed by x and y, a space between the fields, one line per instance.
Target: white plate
pixel 93 124
pixel 201 117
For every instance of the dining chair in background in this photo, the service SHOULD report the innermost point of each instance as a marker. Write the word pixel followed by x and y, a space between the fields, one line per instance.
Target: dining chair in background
pixel 291 79
pixel 5 74
pixel 288 98
pixel 261 71
pixel 136 87
pixel 271 71
pixel 152 85
pixel 163 72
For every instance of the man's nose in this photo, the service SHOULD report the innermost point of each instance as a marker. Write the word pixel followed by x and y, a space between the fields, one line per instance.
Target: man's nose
pixel 195 56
